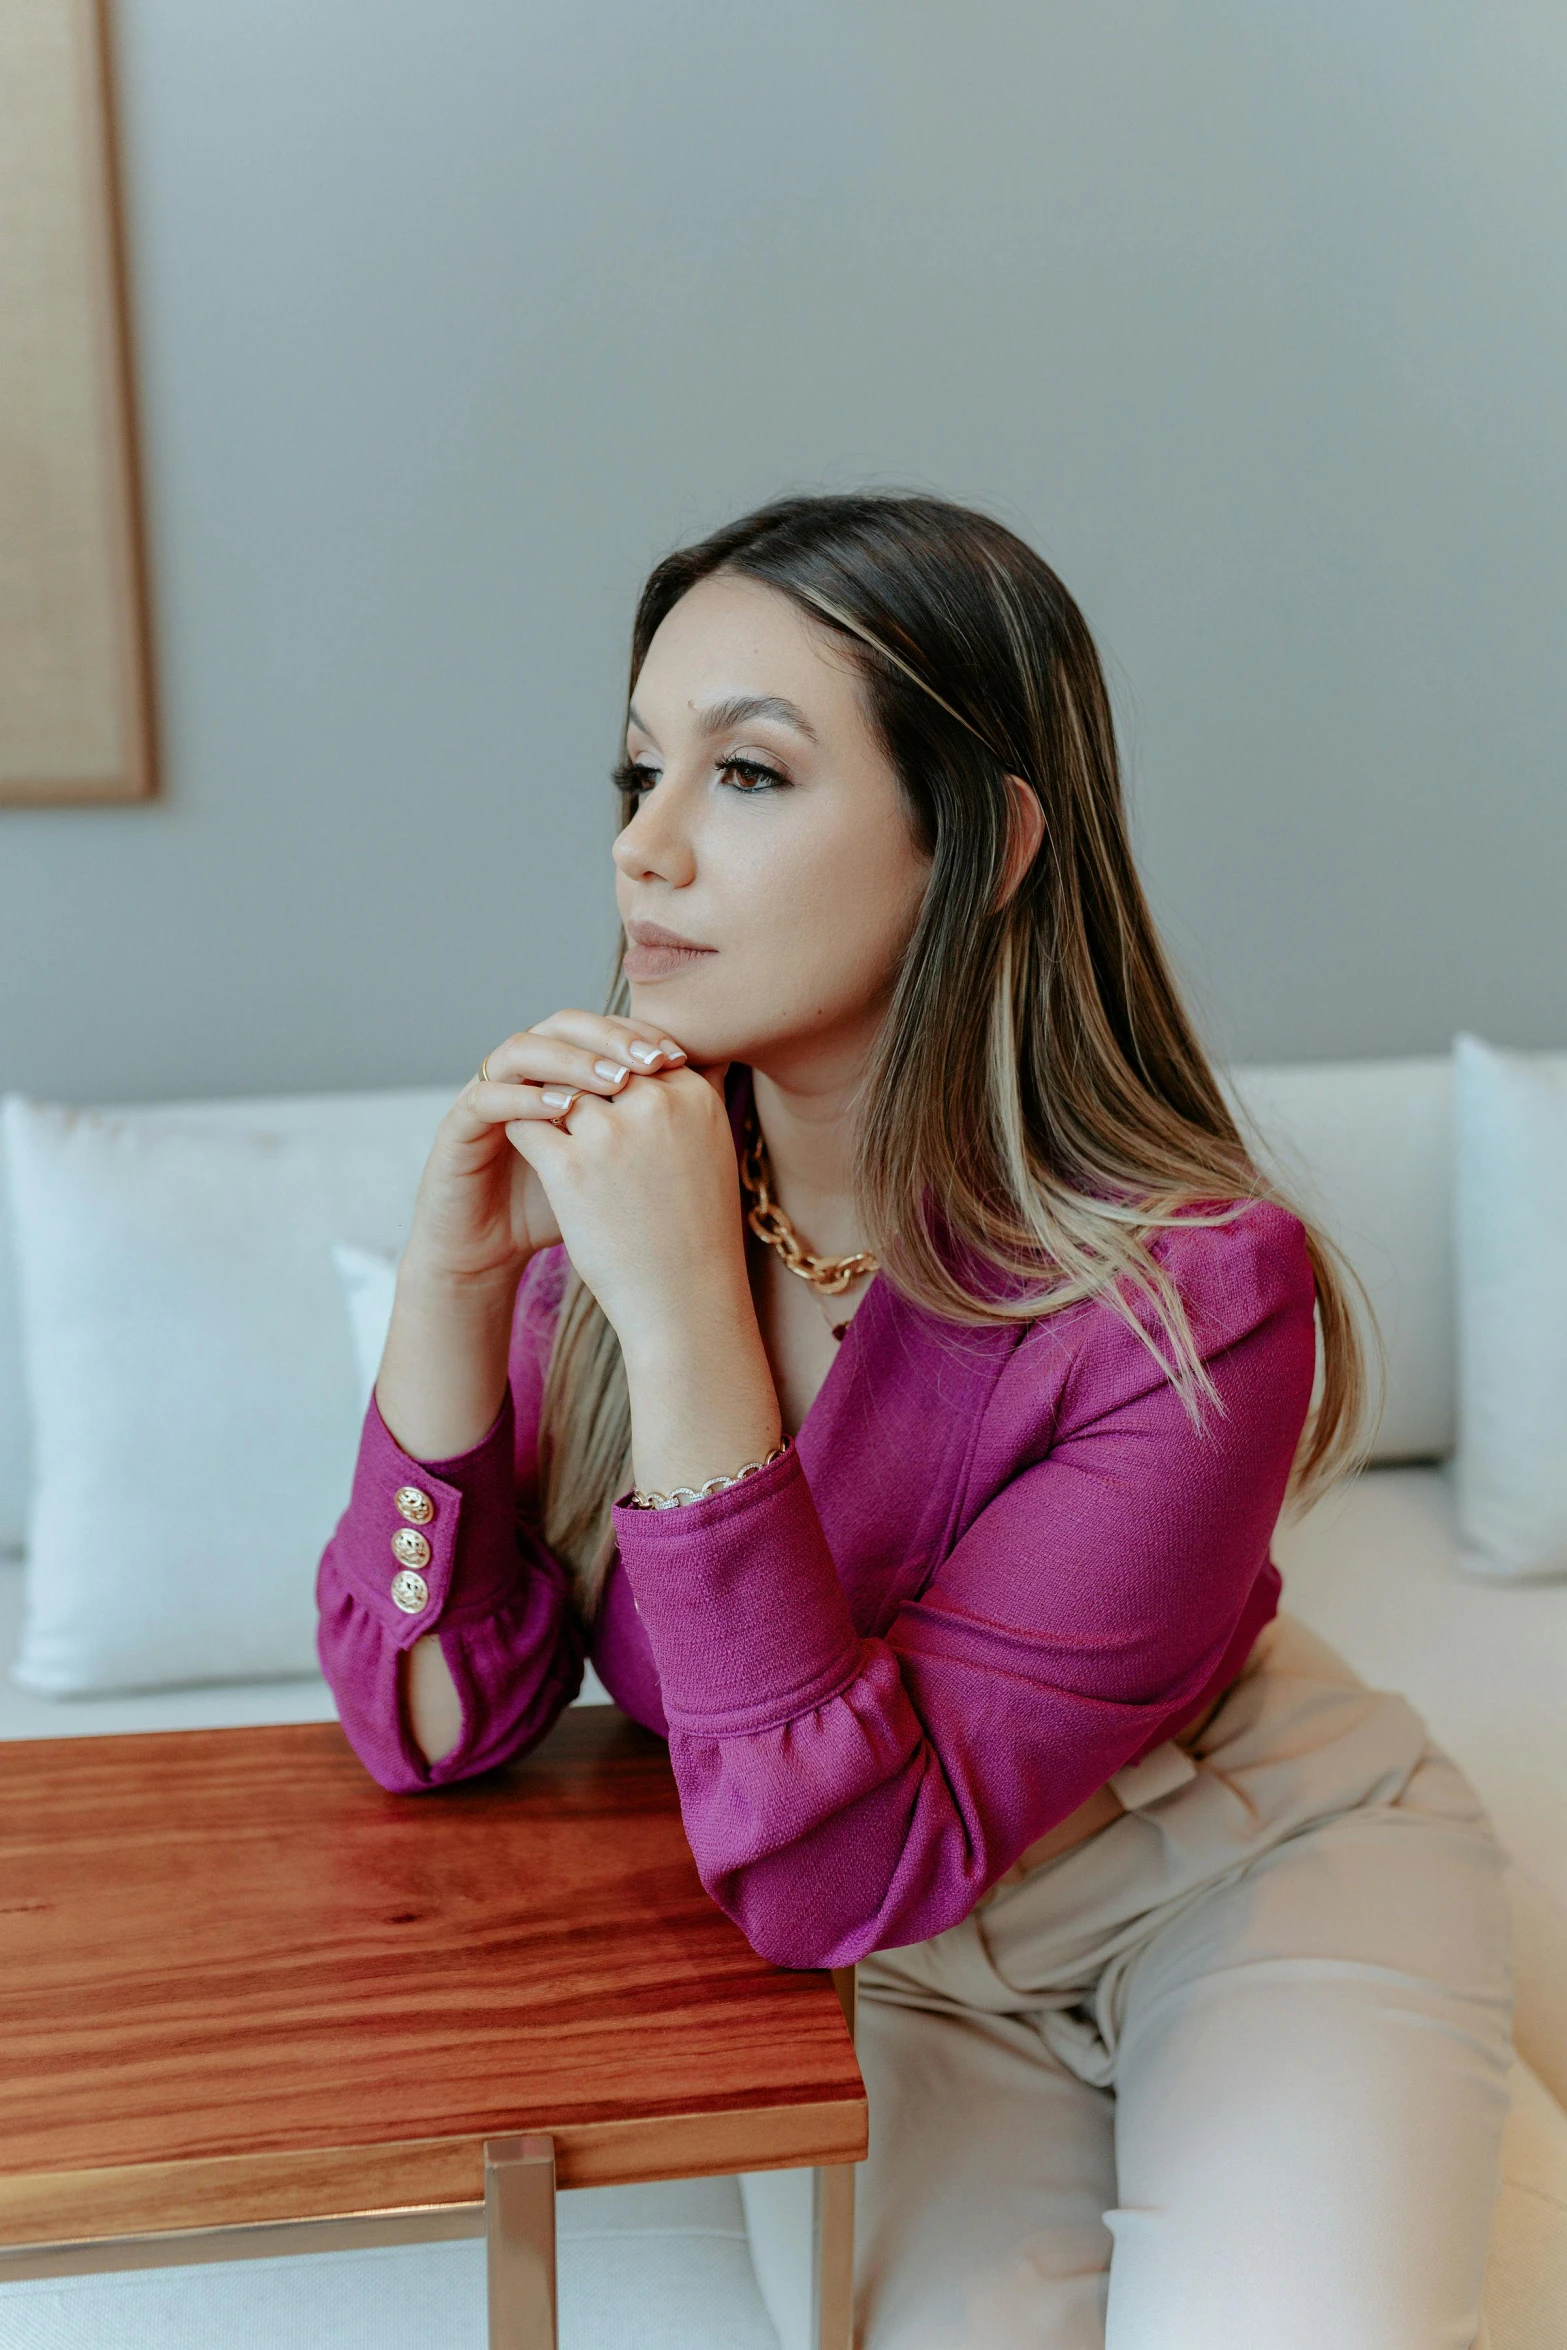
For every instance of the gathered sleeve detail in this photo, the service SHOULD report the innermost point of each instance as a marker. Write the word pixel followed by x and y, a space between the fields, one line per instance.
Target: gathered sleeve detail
pixel 492 1593
pixel 844 1794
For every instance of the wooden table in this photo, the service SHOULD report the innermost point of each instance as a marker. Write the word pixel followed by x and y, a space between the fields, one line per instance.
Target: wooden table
pixel 253 2004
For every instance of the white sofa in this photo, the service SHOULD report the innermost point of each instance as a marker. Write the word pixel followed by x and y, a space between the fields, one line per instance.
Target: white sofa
pixel 1375 1570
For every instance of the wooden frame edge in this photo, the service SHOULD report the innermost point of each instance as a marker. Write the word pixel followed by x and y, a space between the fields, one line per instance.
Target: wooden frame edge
pixel 138 782
pixel 341 2183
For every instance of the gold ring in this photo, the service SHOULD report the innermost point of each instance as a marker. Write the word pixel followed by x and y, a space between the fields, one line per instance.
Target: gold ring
pixel 484 1071
pixel 576 1096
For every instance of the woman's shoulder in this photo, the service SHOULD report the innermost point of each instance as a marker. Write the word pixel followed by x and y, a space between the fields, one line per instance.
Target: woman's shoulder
pixel 1242 1272
pixel 1231 1262
pixel 1239 1261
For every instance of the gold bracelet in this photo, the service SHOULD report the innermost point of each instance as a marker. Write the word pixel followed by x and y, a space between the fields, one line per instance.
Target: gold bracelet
pixel 682 1493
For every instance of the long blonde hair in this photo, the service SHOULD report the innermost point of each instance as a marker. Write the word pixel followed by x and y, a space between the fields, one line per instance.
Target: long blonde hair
pixel 1038 1096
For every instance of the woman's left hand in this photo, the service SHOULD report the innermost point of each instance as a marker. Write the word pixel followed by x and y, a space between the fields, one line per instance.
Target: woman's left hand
pixel 646 1192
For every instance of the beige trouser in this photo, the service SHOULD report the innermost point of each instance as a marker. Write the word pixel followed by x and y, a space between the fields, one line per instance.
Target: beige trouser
pixel 1230 2075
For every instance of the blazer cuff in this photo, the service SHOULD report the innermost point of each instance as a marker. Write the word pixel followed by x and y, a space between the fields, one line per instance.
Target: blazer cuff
pixel 459 1511
pixel 741 1602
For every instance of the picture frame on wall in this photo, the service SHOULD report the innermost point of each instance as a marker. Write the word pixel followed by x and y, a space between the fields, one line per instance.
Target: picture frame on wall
pixel 76 701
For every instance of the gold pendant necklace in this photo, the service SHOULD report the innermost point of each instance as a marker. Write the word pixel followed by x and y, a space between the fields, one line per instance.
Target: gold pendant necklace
pixel 825 1276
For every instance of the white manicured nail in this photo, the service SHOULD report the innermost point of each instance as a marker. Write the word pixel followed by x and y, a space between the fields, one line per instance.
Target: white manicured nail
pixel 647 1054
pixel 611 1071
pixel 557 1097
pixel 672 1051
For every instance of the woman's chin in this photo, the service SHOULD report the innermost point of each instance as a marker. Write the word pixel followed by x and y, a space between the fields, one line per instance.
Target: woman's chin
pixel 665 1004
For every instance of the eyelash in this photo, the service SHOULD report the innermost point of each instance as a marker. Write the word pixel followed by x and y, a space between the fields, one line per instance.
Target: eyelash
pixel 633 778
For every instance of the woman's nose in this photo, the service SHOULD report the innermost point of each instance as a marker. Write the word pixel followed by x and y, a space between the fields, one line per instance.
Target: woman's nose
pixel 655 845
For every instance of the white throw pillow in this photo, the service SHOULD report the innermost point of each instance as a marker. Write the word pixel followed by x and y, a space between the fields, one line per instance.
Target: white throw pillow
pixel 1365 1148
pixel 14 1444
pixel 369 1283
pixel 399 1121
pixel 193 1395
pixel 1511 1233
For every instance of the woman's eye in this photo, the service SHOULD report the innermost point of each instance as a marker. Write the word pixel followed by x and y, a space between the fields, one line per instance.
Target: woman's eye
pixel 752 775
pixel 747 776
pixel 631 776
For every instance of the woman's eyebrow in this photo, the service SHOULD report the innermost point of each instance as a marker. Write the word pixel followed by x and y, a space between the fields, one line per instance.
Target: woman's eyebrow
pixel 739 710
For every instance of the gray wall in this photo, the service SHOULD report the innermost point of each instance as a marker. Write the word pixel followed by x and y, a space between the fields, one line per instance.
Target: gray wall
pixel 451 318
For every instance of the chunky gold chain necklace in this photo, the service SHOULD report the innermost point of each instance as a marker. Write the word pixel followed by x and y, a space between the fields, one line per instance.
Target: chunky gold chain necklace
pixel 827 1276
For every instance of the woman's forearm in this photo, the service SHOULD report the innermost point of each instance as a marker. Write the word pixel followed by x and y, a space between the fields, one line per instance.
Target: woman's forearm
pixel 703 1400
pixel 443 1372
pixel 442 1377
pixel 703 1403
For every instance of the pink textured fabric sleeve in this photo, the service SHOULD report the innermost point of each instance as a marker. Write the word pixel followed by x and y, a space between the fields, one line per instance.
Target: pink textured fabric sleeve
pixel 846 1794
pixel 498 1598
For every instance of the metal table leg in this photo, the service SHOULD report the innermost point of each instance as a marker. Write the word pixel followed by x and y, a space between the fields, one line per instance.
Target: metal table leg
pixel 832 2231
pixel 832 2258
pixel 801 2229
pixel 519 2237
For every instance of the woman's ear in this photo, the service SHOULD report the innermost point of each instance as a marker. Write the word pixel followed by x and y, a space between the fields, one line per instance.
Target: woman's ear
pixel 1025 831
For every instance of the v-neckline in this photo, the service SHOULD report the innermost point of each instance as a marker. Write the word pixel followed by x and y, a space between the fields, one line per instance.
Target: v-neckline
pixel 739 1098
pixel 840 1349
pixel 816 1408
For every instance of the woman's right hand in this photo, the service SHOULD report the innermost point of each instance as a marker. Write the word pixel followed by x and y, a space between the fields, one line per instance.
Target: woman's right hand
pixel 481 1211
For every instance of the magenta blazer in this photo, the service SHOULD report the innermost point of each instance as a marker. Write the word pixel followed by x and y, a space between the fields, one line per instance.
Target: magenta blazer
pixel 994 1568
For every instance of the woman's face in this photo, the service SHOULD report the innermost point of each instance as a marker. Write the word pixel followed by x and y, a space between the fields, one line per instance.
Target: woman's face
pixel 770 837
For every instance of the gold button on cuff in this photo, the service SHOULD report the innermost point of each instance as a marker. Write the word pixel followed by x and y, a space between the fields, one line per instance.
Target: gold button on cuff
pixel 411 1592
pixel 410 1503
pixel 411 1548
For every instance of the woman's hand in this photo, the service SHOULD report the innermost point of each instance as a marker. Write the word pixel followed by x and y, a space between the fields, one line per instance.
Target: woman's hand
pixel 645 1191
pixel 481 1212
pixel 481 1209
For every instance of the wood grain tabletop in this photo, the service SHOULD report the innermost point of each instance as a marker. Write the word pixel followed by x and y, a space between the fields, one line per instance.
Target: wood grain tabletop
pixel 241 1982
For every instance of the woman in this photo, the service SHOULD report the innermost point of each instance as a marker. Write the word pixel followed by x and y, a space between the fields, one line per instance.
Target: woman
pixel 925 1506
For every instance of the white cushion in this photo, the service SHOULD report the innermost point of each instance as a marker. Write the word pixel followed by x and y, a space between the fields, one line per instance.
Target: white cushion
pixel 14 1447
pixel 1365 1148
pixel 192 1390
pixel 1525 2293
pixel 400 1123
pixel 1511 1227
pixel 369 1285
pixel 660 2267
pixel 1371 1569
pixel 213 1705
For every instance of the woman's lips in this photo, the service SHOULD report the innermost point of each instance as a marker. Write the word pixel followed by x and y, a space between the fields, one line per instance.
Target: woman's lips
pixel 657 962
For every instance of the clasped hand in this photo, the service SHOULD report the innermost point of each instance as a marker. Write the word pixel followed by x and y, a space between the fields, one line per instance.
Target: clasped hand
pixel 641 1185
pixel 645 1193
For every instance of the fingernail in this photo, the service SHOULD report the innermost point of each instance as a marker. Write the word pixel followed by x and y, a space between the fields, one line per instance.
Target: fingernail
pixel 647 1054
pixel 672 1051
pixel 557 1097
pixel 611 1071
